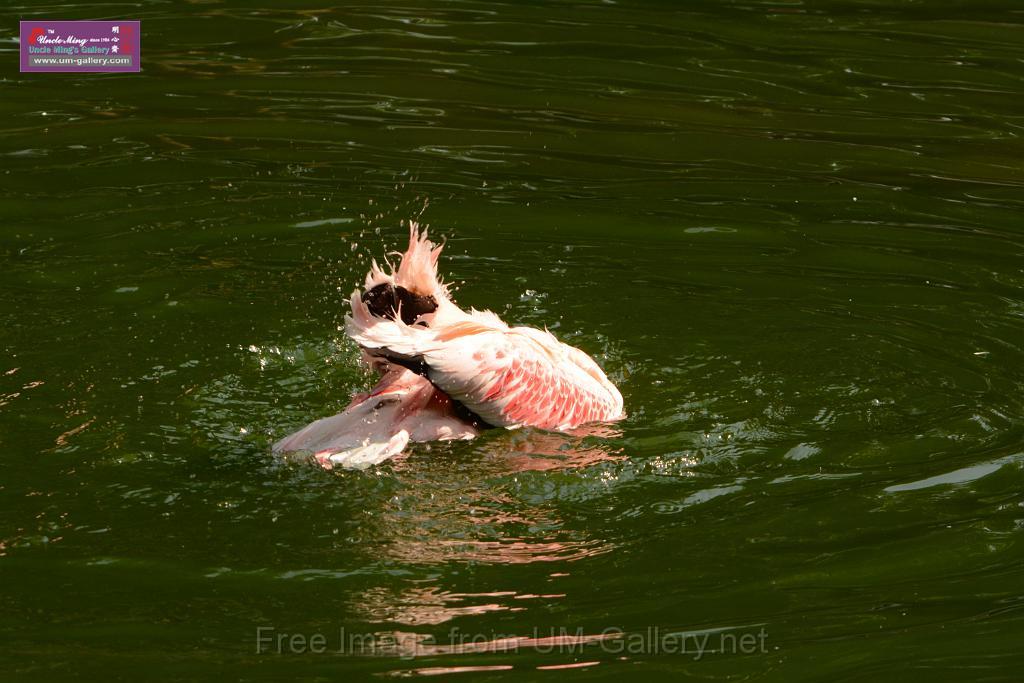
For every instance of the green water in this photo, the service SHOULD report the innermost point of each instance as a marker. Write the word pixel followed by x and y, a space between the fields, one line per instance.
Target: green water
pixel 791 233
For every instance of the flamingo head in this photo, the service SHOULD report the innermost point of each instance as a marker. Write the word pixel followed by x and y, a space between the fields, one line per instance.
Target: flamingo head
pixel 413 291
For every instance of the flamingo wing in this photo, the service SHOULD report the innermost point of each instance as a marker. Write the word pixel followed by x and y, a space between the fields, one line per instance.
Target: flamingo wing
pixel 508 376
pixel 523 376
pixel 403 407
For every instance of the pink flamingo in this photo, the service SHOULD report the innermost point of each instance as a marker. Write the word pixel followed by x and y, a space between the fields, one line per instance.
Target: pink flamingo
pixel 448 373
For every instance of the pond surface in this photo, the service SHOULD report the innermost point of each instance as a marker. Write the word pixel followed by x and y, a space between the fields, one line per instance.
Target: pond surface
pixel 790 231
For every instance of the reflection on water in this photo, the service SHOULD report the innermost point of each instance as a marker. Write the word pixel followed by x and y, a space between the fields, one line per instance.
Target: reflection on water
pixel 426 605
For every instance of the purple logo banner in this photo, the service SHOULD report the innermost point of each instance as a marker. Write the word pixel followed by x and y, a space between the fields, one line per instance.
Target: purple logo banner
pixel 80 46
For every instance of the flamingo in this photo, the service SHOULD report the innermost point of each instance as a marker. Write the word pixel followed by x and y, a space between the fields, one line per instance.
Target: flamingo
pixel 447 373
